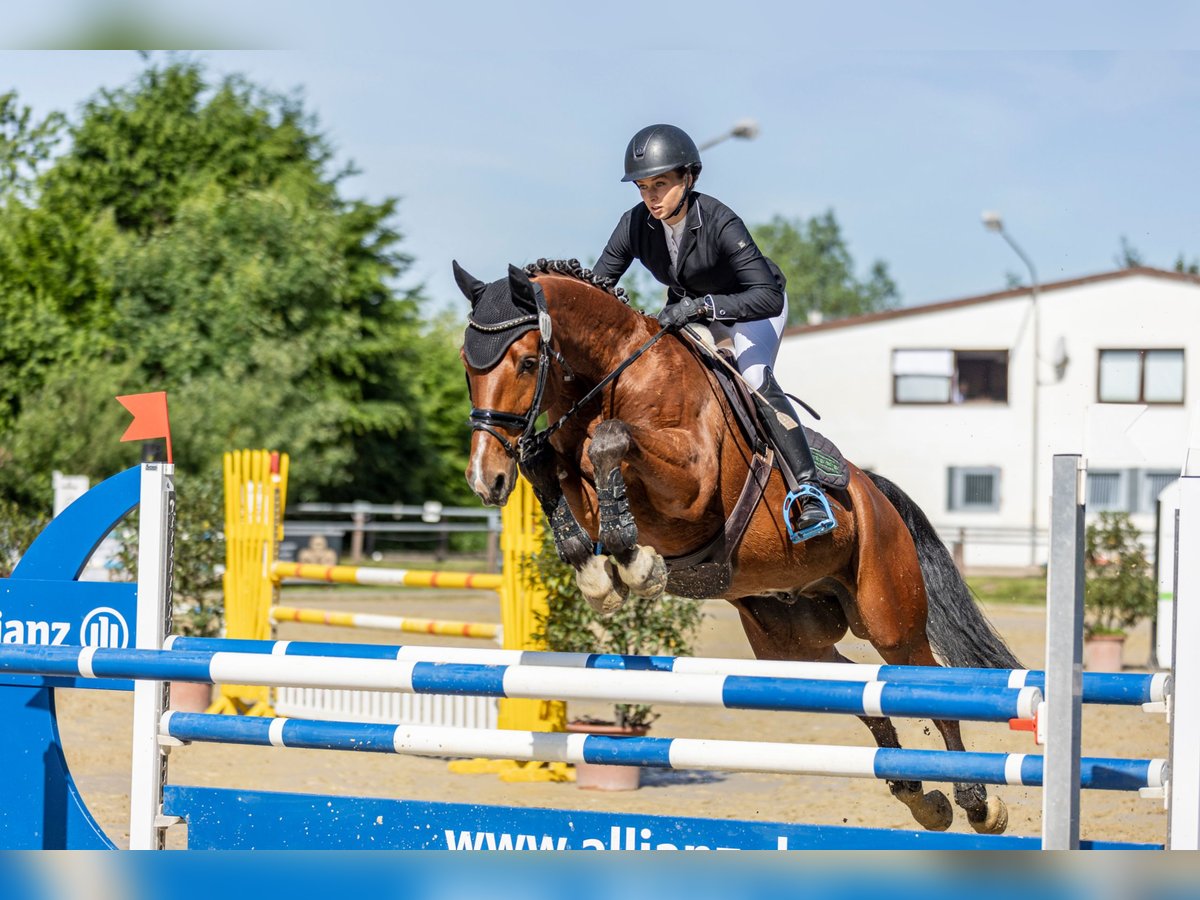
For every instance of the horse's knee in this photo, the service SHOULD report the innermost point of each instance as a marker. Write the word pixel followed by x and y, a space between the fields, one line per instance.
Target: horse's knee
pixel 610 442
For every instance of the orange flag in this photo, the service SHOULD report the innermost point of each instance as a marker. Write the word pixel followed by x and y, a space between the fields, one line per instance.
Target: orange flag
pixel 149 418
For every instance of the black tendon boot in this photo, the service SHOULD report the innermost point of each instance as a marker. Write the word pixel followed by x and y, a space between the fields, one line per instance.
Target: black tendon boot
pixel 796 462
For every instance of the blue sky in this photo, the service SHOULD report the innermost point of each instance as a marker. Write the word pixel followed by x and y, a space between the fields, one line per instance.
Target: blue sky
pixel 502 127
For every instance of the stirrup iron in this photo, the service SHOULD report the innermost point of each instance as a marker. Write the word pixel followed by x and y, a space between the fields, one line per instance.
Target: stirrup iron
pixel 823 527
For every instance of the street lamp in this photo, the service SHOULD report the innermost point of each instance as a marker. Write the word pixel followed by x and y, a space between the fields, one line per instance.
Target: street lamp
pixel 993 222
pixel 747 129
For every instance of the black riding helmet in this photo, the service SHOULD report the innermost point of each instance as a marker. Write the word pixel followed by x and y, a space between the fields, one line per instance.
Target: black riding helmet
pixel 660 148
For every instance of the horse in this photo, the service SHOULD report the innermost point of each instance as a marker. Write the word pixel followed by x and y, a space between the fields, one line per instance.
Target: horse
pixel 643 464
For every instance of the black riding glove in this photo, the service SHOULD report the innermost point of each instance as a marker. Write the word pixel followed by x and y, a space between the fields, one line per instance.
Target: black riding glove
pixel 678 314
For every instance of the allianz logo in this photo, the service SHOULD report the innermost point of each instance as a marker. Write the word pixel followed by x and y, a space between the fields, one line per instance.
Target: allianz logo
pixel 101 627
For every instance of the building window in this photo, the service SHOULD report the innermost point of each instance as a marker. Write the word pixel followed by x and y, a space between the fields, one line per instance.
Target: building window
pixel 1106 491
pixel 1154 483
pixel 949 376
pixel 1141 376
pixel 1127 490
pixel 973 489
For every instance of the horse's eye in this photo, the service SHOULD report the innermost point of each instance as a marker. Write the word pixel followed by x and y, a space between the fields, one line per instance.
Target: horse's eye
pixel 528 364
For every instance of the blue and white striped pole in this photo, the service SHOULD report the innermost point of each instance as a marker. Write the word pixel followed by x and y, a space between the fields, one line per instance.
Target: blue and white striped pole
pixel 671 753
pixel 536 682
pixel 1123 689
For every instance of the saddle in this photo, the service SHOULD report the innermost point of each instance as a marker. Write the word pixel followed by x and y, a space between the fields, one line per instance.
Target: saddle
pixel 709 571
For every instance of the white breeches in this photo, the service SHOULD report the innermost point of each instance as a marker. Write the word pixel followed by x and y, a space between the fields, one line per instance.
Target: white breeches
pixel 755 344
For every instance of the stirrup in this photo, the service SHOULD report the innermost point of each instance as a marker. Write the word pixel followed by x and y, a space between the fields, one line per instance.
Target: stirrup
pixel 822 527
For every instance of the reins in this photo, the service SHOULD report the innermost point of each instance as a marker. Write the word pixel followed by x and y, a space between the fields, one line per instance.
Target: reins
pixel 531 442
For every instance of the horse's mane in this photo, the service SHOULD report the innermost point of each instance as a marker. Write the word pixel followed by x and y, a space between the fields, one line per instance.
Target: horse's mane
pixel 572 268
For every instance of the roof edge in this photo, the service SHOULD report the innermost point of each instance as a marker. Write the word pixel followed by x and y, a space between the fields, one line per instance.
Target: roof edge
pixel 1008 294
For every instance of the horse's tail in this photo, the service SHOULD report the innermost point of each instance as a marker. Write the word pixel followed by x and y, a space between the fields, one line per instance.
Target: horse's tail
pixel 957 628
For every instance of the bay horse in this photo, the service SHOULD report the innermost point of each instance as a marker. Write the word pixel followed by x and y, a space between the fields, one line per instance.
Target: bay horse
pixel 636 476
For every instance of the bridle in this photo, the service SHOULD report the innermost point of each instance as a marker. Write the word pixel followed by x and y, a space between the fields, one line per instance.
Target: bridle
pixel 532 442
pixel 488 420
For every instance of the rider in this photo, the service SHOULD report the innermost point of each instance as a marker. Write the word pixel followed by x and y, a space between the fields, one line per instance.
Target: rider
pixel 715 273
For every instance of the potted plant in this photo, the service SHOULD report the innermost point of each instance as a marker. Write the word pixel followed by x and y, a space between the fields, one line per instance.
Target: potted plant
pixel 667 626
pixel 197 602
pixel 1118 589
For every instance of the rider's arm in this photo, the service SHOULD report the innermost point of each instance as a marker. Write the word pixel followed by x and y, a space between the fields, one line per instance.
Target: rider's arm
pixel 617 255
pixel 760 295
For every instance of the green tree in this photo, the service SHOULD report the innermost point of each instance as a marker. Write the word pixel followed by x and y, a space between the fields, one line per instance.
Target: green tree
pixel 820 271
pixel 1183 266
pixel 192 238
pixel 25 145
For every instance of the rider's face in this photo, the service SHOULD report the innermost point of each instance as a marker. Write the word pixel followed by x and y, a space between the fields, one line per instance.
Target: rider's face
pixel 662 193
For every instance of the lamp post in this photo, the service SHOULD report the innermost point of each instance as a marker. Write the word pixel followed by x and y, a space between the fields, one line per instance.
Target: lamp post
pixel 747 129
pixel 993 222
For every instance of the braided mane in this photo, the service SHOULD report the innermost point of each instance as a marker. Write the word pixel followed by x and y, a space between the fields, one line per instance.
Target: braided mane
pixel 572 268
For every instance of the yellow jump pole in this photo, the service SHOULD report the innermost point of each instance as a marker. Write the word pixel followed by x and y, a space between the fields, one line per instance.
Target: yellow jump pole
pixel 444 627
pixel 385 577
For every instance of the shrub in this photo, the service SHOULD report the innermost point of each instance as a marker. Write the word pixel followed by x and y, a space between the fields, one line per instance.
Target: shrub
pixel 1118 588
pixel 570 625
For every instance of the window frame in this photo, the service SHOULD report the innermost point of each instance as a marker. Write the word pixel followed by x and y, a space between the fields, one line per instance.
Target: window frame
pixel 1142 351
pixel 955 489
pixel 953 378
pixel 1122 492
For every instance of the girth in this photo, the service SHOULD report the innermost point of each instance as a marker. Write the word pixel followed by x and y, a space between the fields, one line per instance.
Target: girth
pixel 708 572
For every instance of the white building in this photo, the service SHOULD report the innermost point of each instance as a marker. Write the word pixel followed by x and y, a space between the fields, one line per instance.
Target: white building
pixel 942 399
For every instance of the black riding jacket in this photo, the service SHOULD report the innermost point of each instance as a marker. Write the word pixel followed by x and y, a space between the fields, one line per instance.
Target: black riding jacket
pixel 717 256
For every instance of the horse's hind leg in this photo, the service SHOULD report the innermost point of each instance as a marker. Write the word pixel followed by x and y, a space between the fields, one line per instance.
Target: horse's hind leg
pixel 931 809
pixel 807 628
pixel 986 813
pixel 640 568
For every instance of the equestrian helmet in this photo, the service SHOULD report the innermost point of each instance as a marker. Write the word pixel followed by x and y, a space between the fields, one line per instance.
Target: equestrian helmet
pixel 657 149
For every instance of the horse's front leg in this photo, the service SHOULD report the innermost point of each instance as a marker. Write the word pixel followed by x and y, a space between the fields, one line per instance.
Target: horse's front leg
pixel 641 569
pixel 594 574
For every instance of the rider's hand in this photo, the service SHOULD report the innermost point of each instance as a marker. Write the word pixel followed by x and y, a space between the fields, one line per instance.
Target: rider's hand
pixel 678 314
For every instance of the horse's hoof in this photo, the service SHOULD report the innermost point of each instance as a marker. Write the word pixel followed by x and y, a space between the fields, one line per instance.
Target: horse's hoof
pixel 595 579
pixel 932 811
pixel 646 574
pixel 992 818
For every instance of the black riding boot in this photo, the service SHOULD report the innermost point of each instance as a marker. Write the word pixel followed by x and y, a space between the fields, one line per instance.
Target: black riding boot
pixel 795 457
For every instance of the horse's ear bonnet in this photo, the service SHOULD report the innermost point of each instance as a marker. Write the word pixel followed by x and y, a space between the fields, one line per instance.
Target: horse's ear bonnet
pixel 501 312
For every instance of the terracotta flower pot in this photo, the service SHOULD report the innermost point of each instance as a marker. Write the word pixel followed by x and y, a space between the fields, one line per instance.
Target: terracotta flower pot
pixel 602 777
pixel 188 696
pixel 1104 652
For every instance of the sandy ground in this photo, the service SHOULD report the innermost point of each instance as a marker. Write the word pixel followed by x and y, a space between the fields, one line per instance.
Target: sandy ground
pixel 96 734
